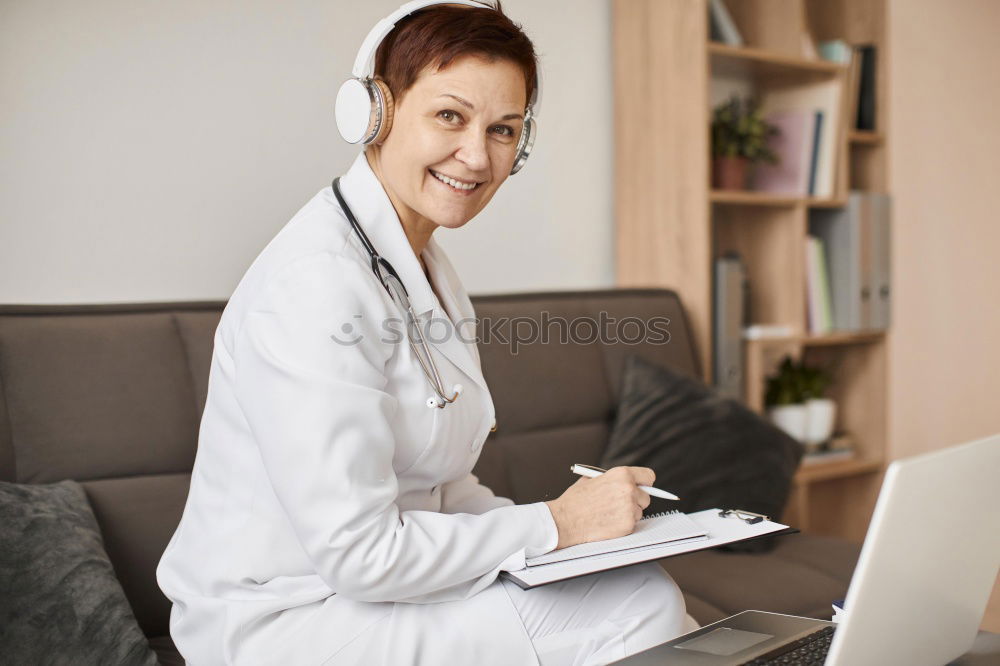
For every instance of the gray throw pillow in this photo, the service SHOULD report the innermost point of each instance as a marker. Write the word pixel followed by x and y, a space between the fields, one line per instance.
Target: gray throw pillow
pixel 60 602
pixel 710 451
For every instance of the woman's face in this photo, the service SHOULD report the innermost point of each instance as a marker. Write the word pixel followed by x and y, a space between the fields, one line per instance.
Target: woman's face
pixel 461 123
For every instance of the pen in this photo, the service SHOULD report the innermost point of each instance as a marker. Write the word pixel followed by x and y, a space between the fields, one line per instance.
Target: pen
pixel 591 472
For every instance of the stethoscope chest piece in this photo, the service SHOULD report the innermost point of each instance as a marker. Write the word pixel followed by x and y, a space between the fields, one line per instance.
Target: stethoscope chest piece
pixel 440 401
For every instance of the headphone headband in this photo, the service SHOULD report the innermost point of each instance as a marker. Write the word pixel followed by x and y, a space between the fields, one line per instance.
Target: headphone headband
pixel 364 64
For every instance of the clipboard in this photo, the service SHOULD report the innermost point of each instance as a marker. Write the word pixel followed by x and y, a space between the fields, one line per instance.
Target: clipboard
pixel 722 529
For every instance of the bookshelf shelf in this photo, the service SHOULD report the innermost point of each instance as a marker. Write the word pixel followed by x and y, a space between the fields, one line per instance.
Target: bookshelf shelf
pixel 741 61
pixel 671 225
pixel 752 198
pixel 839 469
pixel 861 137
pixel 836 338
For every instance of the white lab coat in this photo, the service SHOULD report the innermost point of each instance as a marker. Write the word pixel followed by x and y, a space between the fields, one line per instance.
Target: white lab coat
pixel 324 488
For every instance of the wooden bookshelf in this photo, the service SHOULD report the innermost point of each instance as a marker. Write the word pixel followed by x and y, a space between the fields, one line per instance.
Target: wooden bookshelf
pixel 671 224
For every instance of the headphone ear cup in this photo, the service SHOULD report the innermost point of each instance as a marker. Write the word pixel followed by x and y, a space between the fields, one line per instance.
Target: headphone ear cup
pixel 388 110
pixel 524 144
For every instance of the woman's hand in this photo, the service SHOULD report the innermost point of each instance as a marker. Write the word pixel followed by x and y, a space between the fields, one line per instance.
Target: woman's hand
pixel 604 507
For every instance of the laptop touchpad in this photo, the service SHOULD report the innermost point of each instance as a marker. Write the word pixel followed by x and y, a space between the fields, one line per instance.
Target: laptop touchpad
pixel 724 641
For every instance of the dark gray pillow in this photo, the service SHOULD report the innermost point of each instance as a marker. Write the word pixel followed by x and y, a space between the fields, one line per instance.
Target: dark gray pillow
pixel 60 602
pixel 709 450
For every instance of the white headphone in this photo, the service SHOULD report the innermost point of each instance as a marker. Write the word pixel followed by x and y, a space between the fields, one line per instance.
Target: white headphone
pixel 365 105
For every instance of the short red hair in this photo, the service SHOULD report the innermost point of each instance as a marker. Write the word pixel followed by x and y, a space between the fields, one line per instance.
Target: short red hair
pixel 439 34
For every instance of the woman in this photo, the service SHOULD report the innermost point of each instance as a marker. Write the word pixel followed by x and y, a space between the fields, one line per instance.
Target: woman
pixel 332 516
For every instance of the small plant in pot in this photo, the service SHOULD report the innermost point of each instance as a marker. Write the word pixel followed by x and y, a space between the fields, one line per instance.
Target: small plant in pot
pixel 739 138
pixel 820 412
pixel 795 403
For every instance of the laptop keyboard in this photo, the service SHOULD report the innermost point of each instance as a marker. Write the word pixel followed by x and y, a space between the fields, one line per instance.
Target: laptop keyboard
pixel 807 651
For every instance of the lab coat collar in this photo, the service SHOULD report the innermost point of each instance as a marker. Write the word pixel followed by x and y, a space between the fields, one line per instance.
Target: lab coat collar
pixel 368 200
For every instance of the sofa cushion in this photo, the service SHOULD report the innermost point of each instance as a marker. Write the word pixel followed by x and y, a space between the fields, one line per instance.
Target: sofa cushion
pixel 137 516
pixel 61 601
pixel 91 396
pixel 711 451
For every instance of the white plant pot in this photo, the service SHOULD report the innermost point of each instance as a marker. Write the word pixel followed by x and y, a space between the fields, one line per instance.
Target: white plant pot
pixel 792 419
pixel 820 416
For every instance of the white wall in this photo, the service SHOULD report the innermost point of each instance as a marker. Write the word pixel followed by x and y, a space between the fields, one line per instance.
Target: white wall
pixel 149 150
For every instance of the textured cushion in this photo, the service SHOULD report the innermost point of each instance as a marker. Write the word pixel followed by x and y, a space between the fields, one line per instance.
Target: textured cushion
pixel 711 451
pixel 61 602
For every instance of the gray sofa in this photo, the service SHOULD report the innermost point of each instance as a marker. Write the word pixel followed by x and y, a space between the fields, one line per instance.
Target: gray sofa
pixel 111 396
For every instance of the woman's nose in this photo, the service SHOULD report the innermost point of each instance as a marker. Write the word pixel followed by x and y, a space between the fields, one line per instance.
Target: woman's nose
pixel 473 151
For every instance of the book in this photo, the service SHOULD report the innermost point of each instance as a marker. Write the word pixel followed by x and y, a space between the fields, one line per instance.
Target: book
pixel 825 97
pixel 821 457
pixel 866 90
pixel 793 146
pixel 814 152
pixel 820 317
pixel 650 530
pixel 719 531
pixel 721 24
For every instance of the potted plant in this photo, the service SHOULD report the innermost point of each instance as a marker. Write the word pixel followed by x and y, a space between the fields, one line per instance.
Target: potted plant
pixel 820 412
pixel 739 137
pixel 784 400
pixel 795 402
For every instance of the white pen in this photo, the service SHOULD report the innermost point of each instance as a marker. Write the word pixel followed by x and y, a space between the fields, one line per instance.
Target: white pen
pixel 591 472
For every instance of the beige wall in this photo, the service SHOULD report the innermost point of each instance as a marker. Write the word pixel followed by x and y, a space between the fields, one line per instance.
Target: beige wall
pixel 149 151
pixel 945 142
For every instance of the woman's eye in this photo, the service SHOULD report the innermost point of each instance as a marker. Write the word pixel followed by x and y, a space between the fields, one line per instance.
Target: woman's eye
pixel 504 130
pixel 449 116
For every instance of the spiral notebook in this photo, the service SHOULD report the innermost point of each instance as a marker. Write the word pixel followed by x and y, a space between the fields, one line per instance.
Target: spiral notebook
pixel 651 530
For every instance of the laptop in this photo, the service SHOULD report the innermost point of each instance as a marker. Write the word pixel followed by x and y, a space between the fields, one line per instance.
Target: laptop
pixel 918 593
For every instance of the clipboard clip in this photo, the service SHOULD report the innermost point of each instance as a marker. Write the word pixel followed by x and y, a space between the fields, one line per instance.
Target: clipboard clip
pixel 749 517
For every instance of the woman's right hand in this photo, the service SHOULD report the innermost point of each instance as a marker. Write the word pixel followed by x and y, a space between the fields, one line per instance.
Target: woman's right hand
pixel 604 507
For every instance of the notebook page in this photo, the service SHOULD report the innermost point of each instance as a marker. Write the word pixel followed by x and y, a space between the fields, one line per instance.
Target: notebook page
pixel 651 530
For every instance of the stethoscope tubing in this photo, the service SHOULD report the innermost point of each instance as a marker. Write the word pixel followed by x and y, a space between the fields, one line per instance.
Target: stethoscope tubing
pixel 401 299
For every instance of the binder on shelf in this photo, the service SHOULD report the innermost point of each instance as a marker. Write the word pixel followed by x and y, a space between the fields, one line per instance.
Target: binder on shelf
pixel 881 251
pixel 731 302
pixel 857 239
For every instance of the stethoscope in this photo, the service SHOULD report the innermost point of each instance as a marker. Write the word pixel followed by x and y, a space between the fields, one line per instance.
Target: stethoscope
pixel 387 275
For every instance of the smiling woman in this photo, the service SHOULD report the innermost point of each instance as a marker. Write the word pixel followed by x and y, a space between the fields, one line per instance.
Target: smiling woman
pixel 462 81
pixel 332 517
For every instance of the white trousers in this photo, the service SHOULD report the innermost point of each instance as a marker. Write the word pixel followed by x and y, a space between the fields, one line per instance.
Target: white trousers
pixel 603 617
pixel 584 621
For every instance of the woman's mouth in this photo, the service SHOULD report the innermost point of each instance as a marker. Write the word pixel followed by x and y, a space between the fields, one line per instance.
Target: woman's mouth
pixel 454 185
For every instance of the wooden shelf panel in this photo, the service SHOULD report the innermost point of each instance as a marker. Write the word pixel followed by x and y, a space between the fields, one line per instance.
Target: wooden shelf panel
pixel 767 199
pixel 835 338
pixel 742 61
pixel 863 137
pixel 838 469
